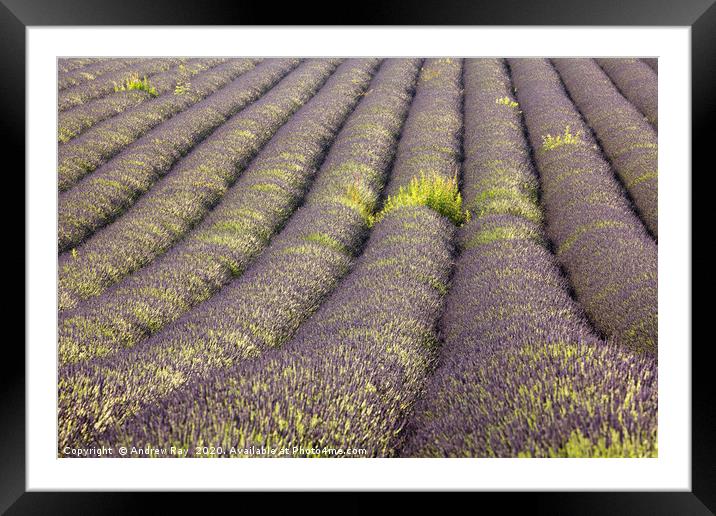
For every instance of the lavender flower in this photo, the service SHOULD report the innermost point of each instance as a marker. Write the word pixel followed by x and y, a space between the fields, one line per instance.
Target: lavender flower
pixel 85 70
pixel 66 65
pixel 348 378
pixel 653 63
pixel 397 289
pixel 102 142
pixel 236 231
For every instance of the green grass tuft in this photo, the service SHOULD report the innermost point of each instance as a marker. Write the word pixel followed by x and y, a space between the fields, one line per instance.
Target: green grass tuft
pixel 135 83
pixel 359 197
pixel 436 192
pixel 550 142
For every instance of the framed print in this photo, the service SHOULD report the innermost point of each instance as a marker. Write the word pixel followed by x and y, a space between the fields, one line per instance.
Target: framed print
pixel 425 241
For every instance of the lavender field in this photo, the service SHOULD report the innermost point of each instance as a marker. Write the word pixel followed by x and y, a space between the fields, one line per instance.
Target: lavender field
pixel 368 257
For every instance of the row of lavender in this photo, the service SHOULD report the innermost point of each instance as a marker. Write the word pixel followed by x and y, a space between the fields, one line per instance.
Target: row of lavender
pixel 73 122
pixel 104 195
pixel 106 83
pixel 192 350
pixel 626 138
pixel 352 372
pixel 609 257
pixel 97 145
pixel 237 230
pixel 79 71
pixel 521 373
pixel 193 185
pixel 68 64
pixel 637 81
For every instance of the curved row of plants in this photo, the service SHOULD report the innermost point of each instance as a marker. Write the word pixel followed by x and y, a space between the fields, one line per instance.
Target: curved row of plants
pixel 239 228
pixel 69 64
pixel 436 125
pixel 265 305
pixel 73 122
pixel 106 83
pixel 350 375
pixel 108 192
pixel 96 146
pixel 521 373
pixel 182 198
pixel 637 82
pixel 610 259
pixel 628 140
pixel 653 63
pixel 186 352
pixel 79 71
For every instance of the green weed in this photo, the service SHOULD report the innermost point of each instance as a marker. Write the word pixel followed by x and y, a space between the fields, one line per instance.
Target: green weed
pixel 507 101
pixel 550 142
pixel 436 192
pixel 135 83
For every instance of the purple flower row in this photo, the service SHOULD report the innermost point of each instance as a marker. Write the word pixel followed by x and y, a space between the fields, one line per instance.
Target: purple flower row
pixel 610 259
pixel 520 371
pixel 106 83
pixel 99 144
pixel 99 198
pixel 74 121
pixel 124 376
pixel 430 144
pixel 350 375
pixel 66 65
pixel 638 83
pixel 348 378
pixel 237 229
pixel 653 63
pixel 90 70
pixel 183 197
pixel 199 355
pixel 628 140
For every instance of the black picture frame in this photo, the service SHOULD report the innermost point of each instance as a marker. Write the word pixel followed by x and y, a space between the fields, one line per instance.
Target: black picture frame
pixel 700 15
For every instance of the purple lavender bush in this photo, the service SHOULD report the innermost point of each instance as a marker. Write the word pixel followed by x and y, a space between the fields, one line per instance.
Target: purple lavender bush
pixel 181 199
pixel 195 347
pixel 431 138
pixel 348 378
pixel 653 63
pixel 84 70
pixel 65 65
pixel 628 140
pixel 357 258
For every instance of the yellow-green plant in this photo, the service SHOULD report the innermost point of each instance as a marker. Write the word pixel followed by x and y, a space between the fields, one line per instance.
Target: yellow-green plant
pixel 550 142
pixel 506 101
pixel 182 87
pixel 437 192
pixel 135 83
